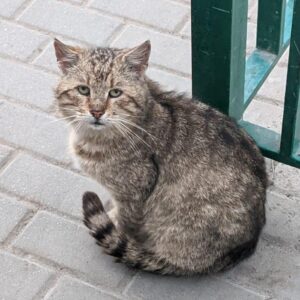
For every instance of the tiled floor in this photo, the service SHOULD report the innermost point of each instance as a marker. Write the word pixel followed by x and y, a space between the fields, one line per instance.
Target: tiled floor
pixel 46 253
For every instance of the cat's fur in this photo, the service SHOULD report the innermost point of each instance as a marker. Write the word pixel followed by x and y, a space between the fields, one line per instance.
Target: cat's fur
pixel 188 185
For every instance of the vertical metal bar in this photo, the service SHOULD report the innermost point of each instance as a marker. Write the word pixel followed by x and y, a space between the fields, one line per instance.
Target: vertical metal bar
pixel 291 124
pixel 296 148
pixel 288 20
pixel 270 25
pixel 219 30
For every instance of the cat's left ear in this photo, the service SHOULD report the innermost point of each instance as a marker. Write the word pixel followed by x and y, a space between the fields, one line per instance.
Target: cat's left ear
pixel 138 57
pixel 67 56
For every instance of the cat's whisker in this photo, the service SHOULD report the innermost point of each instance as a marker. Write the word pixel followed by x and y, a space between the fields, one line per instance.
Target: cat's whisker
pixel 73 109
pixel 138 127
pixel 60 119
pixel 126 134
pixel 77 127
pixel 77 112
pixel 73 121
pixel 136 116
pixel 134 134
pixel 54 121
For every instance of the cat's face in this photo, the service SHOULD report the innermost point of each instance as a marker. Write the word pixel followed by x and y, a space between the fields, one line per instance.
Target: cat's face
pixel 102 88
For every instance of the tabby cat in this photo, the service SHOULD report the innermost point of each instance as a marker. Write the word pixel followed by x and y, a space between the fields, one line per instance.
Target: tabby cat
pixel 188 185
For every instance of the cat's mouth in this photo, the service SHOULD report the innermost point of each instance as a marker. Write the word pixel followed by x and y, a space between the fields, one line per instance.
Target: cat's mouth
pixel 97 124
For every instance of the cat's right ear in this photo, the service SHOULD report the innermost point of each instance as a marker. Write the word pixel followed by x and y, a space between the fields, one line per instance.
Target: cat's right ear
pixel 67 56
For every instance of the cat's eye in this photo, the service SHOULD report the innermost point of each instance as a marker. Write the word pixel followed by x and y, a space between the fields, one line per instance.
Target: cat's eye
pixel 83 90
pixel 114 93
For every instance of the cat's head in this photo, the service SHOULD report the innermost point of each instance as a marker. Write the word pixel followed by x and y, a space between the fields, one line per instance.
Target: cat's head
pixel 100 87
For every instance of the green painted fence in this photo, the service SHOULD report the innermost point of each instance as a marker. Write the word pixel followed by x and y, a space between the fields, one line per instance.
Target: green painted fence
pixel 225 79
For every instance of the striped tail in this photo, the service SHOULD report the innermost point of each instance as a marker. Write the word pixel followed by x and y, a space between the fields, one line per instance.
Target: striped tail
pixel 115 242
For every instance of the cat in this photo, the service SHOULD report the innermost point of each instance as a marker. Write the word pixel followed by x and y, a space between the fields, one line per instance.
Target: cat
pixel 188 185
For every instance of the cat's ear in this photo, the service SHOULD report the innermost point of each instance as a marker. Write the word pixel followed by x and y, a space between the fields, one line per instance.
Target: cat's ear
pixel 138 57
pixel 67 56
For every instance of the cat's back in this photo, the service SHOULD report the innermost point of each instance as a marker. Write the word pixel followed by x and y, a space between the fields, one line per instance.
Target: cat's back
pixel 204 139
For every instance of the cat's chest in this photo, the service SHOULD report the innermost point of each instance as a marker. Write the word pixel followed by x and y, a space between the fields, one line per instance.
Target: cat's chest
pixel 119 173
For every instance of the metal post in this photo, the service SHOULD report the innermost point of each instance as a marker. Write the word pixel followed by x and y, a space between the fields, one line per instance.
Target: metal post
pixel 270 25
pixel 219 31
pixel 290 135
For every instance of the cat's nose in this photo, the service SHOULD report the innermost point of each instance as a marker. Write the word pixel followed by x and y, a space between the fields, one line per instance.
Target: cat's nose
pixel 96 113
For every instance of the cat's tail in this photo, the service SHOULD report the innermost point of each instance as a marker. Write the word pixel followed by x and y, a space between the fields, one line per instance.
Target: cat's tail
pixel 117 243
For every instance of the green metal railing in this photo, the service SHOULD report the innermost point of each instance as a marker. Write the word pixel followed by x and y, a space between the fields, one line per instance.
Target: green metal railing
pixel 223 78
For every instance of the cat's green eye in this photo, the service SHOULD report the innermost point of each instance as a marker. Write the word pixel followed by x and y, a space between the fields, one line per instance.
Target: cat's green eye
pixel 114 93
pixel 83 90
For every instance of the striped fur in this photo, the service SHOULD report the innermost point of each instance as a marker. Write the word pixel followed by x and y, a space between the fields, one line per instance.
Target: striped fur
pixel 115 242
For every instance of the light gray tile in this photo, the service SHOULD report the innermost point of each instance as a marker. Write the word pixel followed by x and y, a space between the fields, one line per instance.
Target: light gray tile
pixel 8 7
pixel 159 13
pixel 92 27
pixel 20 279
pixel 283 220
pixel 18 41
pixel 35 131
pixel 186 31
pixel 274 86
pixel 271 270
pixel 11 212
pixel 152 287
pixel 26 84
pixel 48 184
pixel 170 81
pixel 265 115
pixel 71 289
pixel 73 247
pixel 5 151
pixel 287 178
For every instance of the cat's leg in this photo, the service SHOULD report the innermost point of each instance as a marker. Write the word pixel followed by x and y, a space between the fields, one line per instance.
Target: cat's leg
pixel 116 243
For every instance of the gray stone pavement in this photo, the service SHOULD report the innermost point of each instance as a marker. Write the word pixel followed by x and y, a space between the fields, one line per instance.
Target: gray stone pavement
pixel 45 251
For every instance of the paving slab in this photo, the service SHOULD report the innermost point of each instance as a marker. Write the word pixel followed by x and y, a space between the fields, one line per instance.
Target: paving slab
pixel 26 84
pixel 37 131
pixel 92 28
pixel 19 42
pixel 11 213
pixel 152 287
pixel 20 279
pixel 69 244
pixel 5 152
pixel 49 185
pixel 71 289
pixel 160 13
pixel 8 7
pixel 52 256
pixel 272 270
